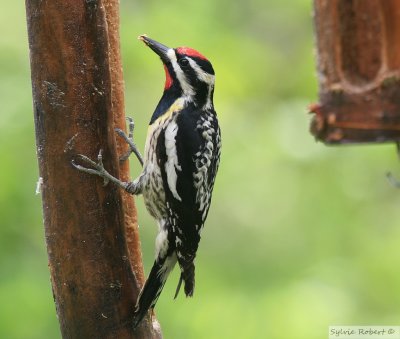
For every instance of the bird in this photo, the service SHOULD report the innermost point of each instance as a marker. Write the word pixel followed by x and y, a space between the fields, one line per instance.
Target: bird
pixel 180 164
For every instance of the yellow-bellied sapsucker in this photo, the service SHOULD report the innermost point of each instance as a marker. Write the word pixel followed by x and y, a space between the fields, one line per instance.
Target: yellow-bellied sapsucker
pixel 181 160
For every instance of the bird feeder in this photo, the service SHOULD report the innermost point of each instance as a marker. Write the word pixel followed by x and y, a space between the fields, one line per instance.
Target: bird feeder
pixel 358 54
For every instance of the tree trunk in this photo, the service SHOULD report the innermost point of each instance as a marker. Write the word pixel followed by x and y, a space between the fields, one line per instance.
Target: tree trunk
pixel 358 71
pixel 78 100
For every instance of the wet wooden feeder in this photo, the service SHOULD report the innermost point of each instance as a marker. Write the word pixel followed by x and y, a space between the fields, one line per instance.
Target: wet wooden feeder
pixel 358 54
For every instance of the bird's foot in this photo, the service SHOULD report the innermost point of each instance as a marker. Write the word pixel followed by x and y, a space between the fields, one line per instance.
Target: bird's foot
pixel 97 169
pixel 129 140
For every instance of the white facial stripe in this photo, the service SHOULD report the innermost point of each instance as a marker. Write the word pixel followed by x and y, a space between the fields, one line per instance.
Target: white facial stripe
pixel 171 55
pixel 208 104
pixel 208 78
pixel 202 75
pixel 187 89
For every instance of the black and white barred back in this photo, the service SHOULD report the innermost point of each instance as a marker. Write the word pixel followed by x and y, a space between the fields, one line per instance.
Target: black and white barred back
pixel 182 155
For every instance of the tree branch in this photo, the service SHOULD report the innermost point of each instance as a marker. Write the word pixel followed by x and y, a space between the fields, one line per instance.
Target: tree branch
pixel 78 99
pixel 358 71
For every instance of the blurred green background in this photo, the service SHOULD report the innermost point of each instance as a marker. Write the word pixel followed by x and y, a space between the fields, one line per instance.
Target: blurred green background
pixel 300 236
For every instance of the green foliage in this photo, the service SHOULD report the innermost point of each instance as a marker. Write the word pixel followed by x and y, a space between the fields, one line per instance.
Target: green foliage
pixel 300 236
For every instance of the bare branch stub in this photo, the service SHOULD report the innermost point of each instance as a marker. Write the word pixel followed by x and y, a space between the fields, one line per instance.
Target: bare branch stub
pixel 358 71
pixel 76 85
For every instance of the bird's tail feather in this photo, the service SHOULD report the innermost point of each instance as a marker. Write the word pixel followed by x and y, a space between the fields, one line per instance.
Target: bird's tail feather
pixel 152 288
pixel 187 276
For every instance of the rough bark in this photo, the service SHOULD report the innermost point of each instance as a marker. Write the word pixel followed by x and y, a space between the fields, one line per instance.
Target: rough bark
pixel 358 71
pixel 78 100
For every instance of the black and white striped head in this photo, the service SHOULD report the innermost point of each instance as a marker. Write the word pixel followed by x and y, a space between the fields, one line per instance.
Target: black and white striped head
pixel 188 73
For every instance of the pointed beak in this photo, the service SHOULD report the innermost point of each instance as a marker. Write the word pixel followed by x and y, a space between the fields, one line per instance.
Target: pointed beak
pixel 160 49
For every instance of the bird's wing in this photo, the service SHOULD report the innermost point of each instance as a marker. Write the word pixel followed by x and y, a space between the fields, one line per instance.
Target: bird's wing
pixel 189 157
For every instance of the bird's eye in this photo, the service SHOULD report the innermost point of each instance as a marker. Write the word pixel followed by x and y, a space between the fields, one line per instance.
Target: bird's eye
pixel 184 62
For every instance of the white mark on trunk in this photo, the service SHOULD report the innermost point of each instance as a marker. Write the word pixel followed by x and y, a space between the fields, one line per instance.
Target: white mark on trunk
pixel 39 186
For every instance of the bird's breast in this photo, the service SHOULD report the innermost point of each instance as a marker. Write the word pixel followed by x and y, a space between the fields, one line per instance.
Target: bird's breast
pixel 153 187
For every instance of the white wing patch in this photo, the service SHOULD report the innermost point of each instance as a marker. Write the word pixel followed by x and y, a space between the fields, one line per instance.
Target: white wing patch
pixel 171 165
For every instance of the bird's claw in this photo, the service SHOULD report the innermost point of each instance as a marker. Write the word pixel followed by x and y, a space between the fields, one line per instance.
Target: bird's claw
pixel 126 155
pixel 98 167
pixel 129 140
pixel 131 126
